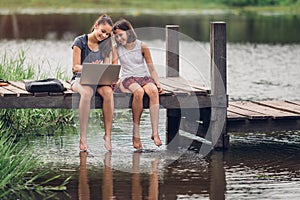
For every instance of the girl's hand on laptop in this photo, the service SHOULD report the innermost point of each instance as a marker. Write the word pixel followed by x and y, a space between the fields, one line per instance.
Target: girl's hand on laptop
pixel 160 90
pixel 98 62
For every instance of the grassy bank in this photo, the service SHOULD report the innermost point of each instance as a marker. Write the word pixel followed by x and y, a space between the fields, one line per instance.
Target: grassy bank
pixel 18 169
pixel 287 6
pixel 30 121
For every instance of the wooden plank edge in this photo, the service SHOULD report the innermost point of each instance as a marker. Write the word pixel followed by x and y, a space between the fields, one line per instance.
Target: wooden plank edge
pixel 275 107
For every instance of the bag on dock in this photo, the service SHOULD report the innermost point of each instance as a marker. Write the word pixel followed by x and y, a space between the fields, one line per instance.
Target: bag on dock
pixel 45 85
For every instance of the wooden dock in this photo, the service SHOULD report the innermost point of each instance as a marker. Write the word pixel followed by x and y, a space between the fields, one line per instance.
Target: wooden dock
pixel 178 94
pixel 204 113
pixel 258 116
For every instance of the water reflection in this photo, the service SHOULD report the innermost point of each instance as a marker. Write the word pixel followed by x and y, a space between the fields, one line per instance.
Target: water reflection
pixel 108 177
pixel 107 186
pixel 257 166
pixel 83 186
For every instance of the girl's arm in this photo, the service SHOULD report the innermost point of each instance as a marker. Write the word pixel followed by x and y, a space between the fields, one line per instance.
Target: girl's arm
pixel 147 55
pixel 115 55
pixel 108 59
pixel 77 67
pixel 115 61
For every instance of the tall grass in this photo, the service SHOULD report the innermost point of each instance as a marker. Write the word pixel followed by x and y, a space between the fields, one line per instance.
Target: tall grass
pixel 16 167
pixel 30 121
pixel 14 68
pixel 16 163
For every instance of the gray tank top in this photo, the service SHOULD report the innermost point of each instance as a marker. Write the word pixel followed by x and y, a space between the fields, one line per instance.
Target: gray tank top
pixel 132 62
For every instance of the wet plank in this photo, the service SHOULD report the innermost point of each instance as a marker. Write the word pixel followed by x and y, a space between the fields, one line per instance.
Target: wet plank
pixel 281 105
pixel 264 110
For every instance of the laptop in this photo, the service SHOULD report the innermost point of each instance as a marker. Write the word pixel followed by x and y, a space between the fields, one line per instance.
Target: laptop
pixel 99 74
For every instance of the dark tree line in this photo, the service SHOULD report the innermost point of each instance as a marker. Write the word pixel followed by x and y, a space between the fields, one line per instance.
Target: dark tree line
pixel 258 2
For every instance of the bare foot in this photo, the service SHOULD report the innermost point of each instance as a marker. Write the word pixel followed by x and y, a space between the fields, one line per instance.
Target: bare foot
pixel 137 142
pixel 156 140
pixel 107 143
pixel 83 146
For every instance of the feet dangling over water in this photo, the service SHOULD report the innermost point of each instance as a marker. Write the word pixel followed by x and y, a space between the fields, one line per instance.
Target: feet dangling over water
pixel 136 141
pixel 156 140
pixel 107 143
pixel 83 146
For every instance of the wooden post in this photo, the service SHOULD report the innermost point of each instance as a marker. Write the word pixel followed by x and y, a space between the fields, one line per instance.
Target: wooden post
pixel 219 99
pixel 172 64
pixel 172 48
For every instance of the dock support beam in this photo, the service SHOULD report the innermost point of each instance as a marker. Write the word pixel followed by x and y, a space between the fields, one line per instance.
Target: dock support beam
pixel 218 132
pixel 172 65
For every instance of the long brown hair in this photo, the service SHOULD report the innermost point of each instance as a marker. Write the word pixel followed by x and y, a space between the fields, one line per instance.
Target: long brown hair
pixel 103 19
pixel 125 25
pixel 105 46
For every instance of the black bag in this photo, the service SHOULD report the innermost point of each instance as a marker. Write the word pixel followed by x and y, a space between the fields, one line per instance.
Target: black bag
pixel 46 85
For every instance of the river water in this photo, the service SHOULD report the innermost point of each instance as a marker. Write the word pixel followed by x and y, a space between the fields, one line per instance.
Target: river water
pixel 257 166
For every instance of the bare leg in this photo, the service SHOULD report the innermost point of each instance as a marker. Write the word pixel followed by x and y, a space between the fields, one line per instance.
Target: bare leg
pixel 86 94
pixel 152 92
pixel 108 112
pixel 137 109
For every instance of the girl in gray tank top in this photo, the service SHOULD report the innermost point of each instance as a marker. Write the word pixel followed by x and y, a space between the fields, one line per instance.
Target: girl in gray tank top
pixel 138 76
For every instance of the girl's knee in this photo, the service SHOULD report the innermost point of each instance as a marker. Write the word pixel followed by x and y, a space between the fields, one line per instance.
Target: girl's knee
pixel 152 92
pixel 86 94
pixel 139 92
pixel 105 92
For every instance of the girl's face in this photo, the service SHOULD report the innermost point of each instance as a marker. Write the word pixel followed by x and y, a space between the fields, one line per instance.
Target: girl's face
pixel 121 36
pixel 102 31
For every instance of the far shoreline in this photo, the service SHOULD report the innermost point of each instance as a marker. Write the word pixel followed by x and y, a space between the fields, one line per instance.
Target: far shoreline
pixel 267 11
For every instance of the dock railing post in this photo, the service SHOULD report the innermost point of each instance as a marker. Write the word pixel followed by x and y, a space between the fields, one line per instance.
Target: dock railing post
pixel 219 99
pixel 172 70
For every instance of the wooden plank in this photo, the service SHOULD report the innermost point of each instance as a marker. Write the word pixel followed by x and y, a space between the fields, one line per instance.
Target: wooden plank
pixel 267 125
pixel 281 105
pixel 183 84
pixel 246 113
pixel 198 86
pixel 4 92
pixel 234 116
pixel 36 102
pixel 173 90
pixel 18 84
pixel 17 90
pixel 180 85
pixel 264 110
pixel 294 102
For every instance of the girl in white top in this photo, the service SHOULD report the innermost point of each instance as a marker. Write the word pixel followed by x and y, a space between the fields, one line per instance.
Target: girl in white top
pixel 137 76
